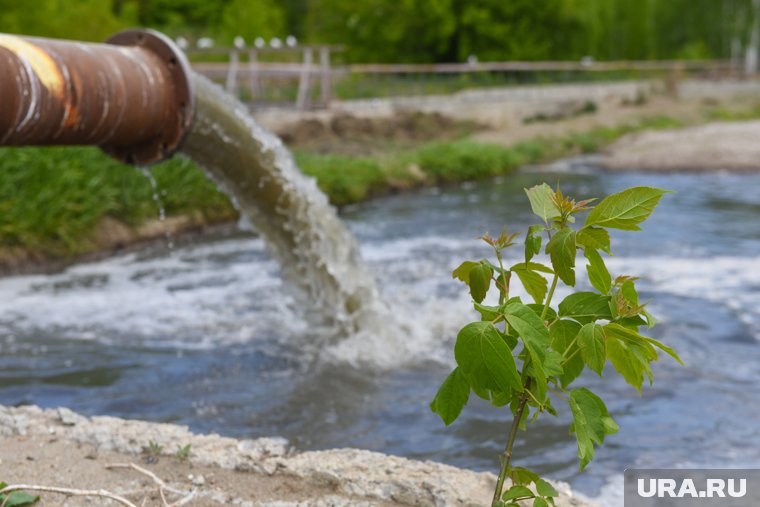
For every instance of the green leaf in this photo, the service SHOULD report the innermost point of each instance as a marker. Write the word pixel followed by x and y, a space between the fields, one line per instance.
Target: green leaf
pixel 668 350
pixel 543 488
pixel 627 363
pixel 595 238
pixel 651 320
pixel 626 209
pixel 540 502
pixel 630 354
pixel 532 266
pixel 591 422
pixel 591 343
pixel 535 284
pixel 480 281
pixel 598 274
pixel 452 397
pixel 499 399
pixel 17 498
pixel 542 202
pixel 535 336
pixel 562 335
pixel 477 275
pixel 539 309
pixel 553 363
pixel 488 313
pixel 533 241
pixel 463 271
pixel 561 250
pixel 485 359
pixel 585 307
pixel 521 475
pixel 628 290
pixel 517 491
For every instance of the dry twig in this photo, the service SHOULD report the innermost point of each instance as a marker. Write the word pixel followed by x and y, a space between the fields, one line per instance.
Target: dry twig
pixel 186 496
pixel 162 486
pixel 64 491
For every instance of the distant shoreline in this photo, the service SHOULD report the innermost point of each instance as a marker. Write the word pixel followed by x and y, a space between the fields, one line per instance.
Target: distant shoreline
pixel 731 146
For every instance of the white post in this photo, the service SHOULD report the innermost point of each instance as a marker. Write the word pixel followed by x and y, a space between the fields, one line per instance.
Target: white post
pixel 254 82
pixel 753 46
pixel 326 84
pixel 232 72
pixel 304 84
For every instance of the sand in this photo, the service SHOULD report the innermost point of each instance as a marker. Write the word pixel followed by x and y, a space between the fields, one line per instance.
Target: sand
pixel 731 146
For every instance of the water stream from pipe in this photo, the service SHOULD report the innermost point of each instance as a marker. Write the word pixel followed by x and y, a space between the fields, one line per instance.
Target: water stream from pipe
pixel 302 231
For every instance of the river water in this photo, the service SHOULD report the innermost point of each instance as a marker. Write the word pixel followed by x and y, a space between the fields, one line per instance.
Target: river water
pixel 208 335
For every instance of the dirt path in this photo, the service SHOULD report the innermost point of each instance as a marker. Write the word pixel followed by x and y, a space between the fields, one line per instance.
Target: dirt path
pixel 609 114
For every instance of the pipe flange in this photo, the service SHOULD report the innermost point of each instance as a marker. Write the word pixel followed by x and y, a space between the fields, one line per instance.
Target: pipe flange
pixel 178 67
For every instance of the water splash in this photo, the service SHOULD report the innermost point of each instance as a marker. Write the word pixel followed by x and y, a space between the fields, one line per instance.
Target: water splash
pixel 301 229
pixel 159 203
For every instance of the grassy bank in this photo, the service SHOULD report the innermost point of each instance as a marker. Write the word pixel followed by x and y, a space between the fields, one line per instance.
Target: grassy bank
pixel 348 179
pixel 54 201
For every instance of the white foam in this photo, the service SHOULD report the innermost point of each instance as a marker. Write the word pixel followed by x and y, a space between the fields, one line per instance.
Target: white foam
pixel 231 292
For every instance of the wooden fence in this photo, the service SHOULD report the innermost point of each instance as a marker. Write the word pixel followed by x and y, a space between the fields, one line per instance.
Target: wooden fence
pixel 307 77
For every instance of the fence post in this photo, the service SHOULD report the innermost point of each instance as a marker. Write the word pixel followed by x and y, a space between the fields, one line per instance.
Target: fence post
pixel 673 80
pixel 326 85
pixel 232 73
pixel 254 83
pixel 304 84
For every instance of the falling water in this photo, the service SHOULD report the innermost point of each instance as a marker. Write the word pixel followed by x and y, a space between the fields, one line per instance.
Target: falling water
pixel 301 229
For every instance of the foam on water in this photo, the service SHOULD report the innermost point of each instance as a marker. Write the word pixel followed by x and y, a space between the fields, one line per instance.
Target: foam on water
pixel 232 292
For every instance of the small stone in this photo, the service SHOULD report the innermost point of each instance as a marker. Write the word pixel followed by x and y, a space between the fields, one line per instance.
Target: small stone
pixel 69 417
pixel 199 481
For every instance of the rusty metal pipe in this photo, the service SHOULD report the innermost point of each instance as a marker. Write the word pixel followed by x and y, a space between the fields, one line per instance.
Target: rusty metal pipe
pixel 132 96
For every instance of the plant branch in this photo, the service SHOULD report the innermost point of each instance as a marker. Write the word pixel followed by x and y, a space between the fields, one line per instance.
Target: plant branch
pixel 505 280
pixel 540 405
pixel 570 356
pixel 557 394
pixel 573 342
pixel 550 296
pixel 510 443
pixel 63 491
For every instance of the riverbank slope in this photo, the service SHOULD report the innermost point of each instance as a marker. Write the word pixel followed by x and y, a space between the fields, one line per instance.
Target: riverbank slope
pixel 58 447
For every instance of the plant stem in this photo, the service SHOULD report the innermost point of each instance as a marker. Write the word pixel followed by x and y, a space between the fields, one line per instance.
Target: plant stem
pixel 504 279
pixel 510 443
pixel 575 340
pixel 570 357
pixel 540 405
pixel 550 296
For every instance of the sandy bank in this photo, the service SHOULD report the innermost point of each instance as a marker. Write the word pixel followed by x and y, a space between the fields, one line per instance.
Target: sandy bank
pixel 59 447
pixel 730 146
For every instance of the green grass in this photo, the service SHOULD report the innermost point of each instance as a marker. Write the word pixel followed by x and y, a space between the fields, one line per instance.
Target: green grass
pixel 347 179
pixel 52 199
pixel 751 112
